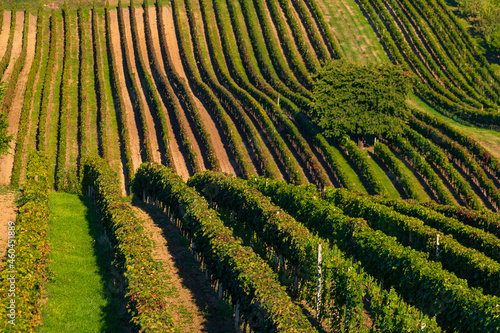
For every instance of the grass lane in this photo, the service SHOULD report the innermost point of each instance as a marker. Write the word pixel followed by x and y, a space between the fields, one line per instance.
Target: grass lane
pixel 84 293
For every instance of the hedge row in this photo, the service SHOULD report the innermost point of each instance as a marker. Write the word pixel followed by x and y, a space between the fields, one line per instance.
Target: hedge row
pixel 461 156
pixel 251 67
pixel 119 98
pixel 185 97
pixel 479 270
pixel 25 267
pixel 361 161
pixel 8 50
pixel 297 34
pixel 226 91
pixel 102 103
pixel 146 292
pixel 486 220
pixel 153 94
pixel 133 88
pixel 489 162
pixel 217 29
pixel 388 311
pixel 294 59
pixel 272 43
pixel 399 170
pixel 10 88
pixel 22 130
pixel 281 235
pixel 171 100
pixel 83 77
pixel 47 82
pixel 468 236
pixel 439 159
pixel 421 166
pixel 64 105
pixel 248 279
pixel 207 96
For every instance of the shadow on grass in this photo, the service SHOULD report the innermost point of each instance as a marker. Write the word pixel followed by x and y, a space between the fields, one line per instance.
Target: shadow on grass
pixel 217 314
pixel 116 317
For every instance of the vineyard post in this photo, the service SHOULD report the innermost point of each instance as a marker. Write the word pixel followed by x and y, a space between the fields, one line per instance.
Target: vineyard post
pixel 437 246
pixel 318 293
pixel 220 289
pixel 237 317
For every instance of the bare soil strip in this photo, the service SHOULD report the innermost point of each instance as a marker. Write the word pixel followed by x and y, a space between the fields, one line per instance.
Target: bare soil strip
pixel 153 138
pixel 7 161
pixel 8 211
pixel 178 158
pixel 220 148
pixel 4 35
pixel 174 53
pixel 132 126
pixel 17 45
pixel 191 300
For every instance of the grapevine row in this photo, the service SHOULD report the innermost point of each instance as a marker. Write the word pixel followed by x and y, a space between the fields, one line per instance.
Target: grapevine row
pixel 27 249
pixel 249 280
pixel 83 77
pixel 398 169
pixel 236 144
pixel 8 50
pixel 477 268
pixel 25 110
pixel 134 88
pixel 119 98
pixel 153 94
pixel 64 104
pixel 467 235
pixel 438 158
pixel 47 81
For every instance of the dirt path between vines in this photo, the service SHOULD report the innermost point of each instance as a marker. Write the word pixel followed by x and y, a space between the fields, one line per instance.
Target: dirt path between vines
pixel 8 209
pixel 135 146
pixel 221 149
pixel 17 45
pixel 7 161
pixel 174 54
pixel 4 35
pixel 153 138
pixel 190 299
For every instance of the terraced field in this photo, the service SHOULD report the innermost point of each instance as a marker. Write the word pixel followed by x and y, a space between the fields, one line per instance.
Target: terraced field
pixel 135 100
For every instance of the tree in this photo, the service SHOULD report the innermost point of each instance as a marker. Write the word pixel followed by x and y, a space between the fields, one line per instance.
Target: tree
pixel 358 99
pixel 4 126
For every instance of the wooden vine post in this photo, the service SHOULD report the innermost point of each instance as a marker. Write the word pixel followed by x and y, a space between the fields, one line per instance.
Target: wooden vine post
pixel 318 293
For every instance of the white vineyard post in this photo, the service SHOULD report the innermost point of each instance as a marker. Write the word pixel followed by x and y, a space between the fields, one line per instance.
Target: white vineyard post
pixel 318 293
pixel 220 290
pixel 346 328
pixel 422 327
pixel 275 261
pixel 237 317
pixel 437 246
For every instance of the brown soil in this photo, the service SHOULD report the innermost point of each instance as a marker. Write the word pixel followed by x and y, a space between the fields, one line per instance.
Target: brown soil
pixel 174 53
pixel 132 127
pixel 4 35
pixel 190 299
pixel 149 119
pixel 17 45
pixel 218 144
pixel 9 211
pixel 7 161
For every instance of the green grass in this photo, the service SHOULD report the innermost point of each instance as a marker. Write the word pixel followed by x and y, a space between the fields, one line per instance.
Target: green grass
pixel 78 296
pixel 380 173
pixel 355 36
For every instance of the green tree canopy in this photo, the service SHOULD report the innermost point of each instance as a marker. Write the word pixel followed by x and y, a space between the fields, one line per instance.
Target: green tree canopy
pixel 357 99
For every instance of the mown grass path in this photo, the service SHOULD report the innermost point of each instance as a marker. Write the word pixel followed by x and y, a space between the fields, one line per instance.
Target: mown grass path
pixel 83 293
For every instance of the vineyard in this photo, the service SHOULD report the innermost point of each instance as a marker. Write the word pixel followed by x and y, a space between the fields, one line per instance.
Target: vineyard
pixel 201 111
